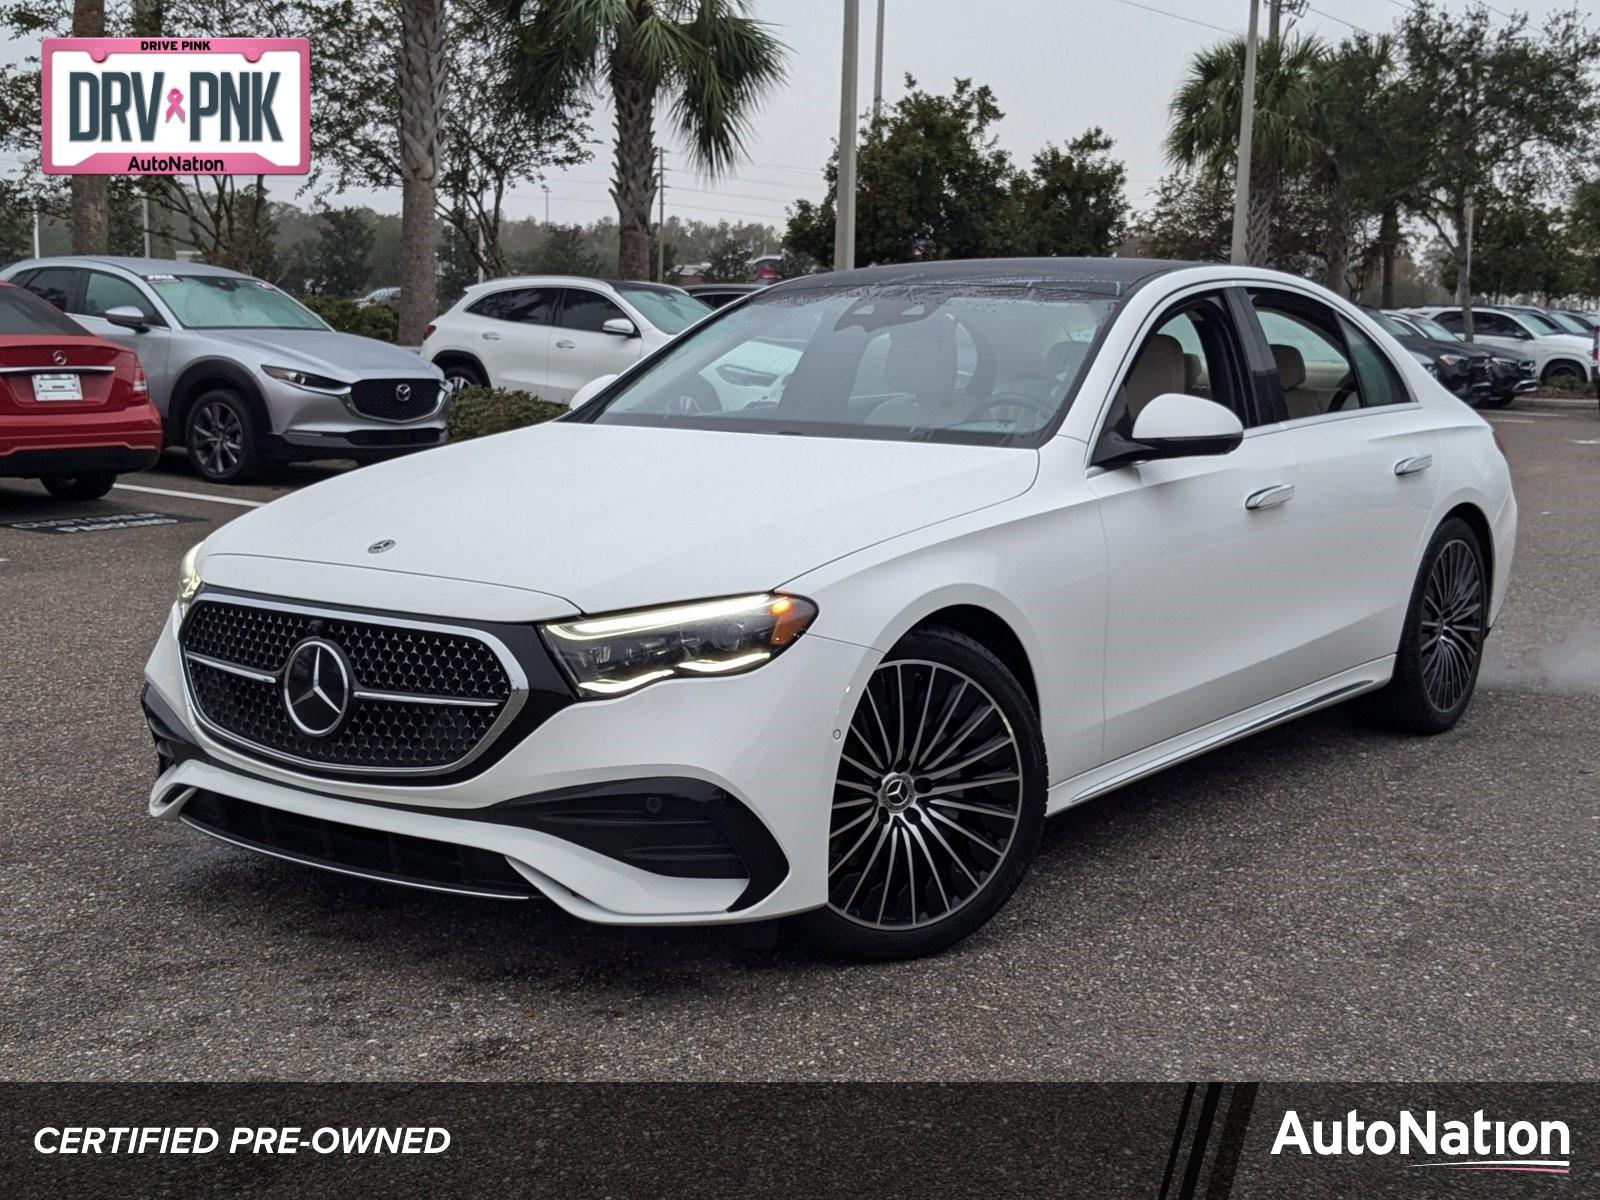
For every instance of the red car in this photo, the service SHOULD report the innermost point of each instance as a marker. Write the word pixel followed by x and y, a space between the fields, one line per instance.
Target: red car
pixel 74 408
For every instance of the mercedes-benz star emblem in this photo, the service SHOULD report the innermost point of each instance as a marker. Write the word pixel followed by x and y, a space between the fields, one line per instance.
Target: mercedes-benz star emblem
pixel 403 392
pixel 317 687
pixel 381 547
pixel 59 358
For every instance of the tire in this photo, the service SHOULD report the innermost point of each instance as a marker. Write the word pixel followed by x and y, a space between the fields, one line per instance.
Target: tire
pixel 459 374
pixel 937 868
pixel 1435 674
pixel 221 437
pixel 91 485
pixel 1563 371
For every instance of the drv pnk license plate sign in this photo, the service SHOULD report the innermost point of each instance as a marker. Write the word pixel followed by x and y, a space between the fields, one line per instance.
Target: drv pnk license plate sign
pixel 170 106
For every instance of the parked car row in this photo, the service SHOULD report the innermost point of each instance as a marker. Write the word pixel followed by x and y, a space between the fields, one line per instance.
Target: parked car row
pixel 1562 351
pixel 1478 374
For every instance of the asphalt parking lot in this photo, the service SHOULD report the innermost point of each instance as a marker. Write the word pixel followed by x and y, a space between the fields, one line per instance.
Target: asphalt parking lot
pixel 1319 902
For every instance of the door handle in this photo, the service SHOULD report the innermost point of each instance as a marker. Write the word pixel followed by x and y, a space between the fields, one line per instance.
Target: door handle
pixel 1414 464
pixel 491 337
pixel 1271 497
pixel 564 344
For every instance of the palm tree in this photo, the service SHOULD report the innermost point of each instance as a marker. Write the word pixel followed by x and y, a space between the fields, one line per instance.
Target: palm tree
pixel 1205 122
pixel 90 224
pixel 707 59
pixel 422 99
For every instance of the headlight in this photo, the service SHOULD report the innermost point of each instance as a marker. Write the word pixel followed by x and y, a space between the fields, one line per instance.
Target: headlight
pixel 188 579
pixel 1452 360
pixel 607 656
pixel 304 379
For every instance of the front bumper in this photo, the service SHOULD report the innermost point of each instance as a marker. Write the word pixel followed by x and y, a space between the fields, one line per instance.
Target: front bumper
pixel 757 752
pixel 307 424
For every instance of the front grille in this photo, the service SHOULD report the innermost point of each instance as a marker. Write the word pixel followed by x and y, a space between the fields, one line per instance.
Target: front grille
pixel 382 399
pixel 396 857
pixel 423 699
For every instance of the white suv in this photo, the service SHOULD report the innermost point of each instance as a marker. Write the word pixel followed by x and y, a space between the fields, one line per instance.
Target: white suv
pixel 1556 354
pixel 551 334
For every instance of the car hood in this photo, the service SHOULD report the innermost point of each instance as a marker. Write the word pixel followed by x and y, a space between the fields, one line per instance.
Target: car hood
pixel 324 352
pixel 610 517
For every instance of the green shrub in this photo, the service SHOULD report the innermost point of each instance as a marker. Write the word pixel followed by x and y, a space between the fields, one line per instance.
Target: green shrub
pixel 480 411
pixel 373 321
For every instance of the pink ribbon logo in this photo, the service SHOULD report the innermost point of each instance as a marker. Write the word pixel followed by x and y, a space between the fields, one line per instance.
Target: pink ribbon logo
pixel 175 105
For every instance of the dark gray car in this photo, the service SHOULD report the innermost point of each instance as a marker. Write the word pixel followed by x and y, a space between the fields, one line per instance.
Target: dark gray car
pixel 242 374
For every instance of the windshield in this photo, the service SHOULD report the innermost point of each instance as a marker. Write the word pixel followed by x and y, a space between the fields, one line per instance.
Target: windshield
pixel 231 302
pixel 1565 323
pixel 1433 329
pixel 1538 323
pixel 964 361
pixel 668 309
pixel 1390 325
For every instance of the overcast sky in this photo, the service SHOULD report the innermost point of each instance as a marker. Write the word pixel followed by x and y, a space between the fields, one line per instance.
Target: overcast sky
pixel 1057 67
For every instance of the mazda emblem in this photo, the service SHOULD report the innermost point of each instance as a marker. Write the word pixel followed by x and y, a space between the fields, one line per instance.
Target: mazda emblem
pixel 59 358
pixel 403 392
pixel 317 687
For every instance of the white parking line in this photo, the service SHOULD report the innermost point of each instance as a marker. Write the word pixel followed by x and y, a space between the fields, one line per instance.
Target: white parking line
pixel 134 487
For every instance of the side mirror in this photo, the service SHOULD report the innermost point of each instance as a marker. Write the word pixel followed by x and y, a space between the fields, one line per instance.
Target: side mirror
pixel 1175 425
pixel 620 327
pixel 590 390
pixel 127 316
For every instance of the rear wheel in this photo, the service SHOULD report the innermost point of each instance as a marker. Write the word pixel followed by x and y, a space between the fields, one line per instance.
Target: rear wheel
pixel 1564 373
pixel 1441 647
pixel 938 803
pixel 221 437
pixel 459 374
pixel 91 485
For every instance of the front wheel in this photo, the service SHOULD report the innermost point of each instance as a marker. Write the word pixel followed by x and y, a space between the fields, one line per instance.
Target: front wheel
pixel 221 437
pixel 1441 646
pixel 1564 374
pixel 91 485
pixel 938 803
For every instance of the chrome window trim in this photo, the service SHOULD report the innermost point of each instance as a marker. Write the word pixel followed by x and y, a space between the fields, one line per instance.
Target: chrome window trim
pixel 508 662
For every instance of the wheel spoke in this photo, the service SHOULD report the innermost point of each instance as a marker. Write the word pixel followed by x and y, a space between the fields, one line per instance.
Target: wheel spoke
pixel 977 756
pixel 983 810
pixel 963 831
pixel 933 867
pixel 956 788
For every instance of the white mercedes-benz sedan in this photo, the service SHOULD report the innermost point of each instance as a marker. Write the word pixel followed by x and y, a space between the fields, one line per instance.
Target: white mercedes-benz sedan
pixel 821 609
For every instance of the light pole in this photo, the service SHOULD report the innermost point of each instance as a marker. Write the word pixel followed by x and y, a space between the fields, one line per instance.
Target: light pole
pixel 546 189
pixel 844 230
pixel 1247 125
pixel 877 68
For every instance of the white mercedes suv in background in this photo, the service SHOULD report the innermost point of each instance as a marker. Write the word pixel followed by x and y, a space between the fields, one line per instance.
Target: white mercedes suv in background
pixel 551 334
pixel 993 538
pixel 1556 354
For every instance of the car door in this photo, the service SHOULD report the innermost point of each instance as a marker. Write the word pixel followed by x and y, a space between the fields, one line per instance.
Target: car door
pixel 1202 621
pixel 509 332
pixel 103 291
pixel 581 349
pixel 1366 483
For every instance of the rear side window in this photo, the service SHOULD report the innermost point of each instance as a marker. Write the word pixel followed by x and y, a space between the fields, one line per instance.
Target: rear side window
pixel 102 292
pixel 588 311
pixel 527 306
pixel 24 313
pixel 54 285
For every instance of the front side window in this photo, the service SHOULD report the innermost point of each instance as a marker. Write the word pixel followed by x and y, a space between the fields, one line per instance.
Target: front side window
pixel 102 292
pixel 1314 368
pixel 588 312
pixel 1193 350
pixel 1378 382
pixel 977 362
pixel 231 302
pixel 1431 328
pixel 526 306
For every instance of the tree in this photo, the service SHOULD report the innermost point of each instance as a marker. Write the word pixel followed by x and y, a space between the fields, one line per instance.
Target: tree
pixel 1495 108
pixel 1191 219
pixel 421 125
pixel 1071 203
pixel 564 251
pixel 339 257
pixel 89 212
pixel 707 61
pixel 931 180
pixel 729 262
pixel 1205 122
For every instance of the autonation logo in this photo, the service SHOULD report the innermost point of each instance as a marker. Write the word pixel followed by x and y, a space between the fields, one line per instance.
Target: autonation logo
pixel 1480 1144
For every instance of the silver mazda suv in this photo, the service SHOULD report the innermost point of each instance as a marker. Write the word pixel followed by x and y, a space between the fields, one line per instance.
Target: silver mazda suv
pixel 242 374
